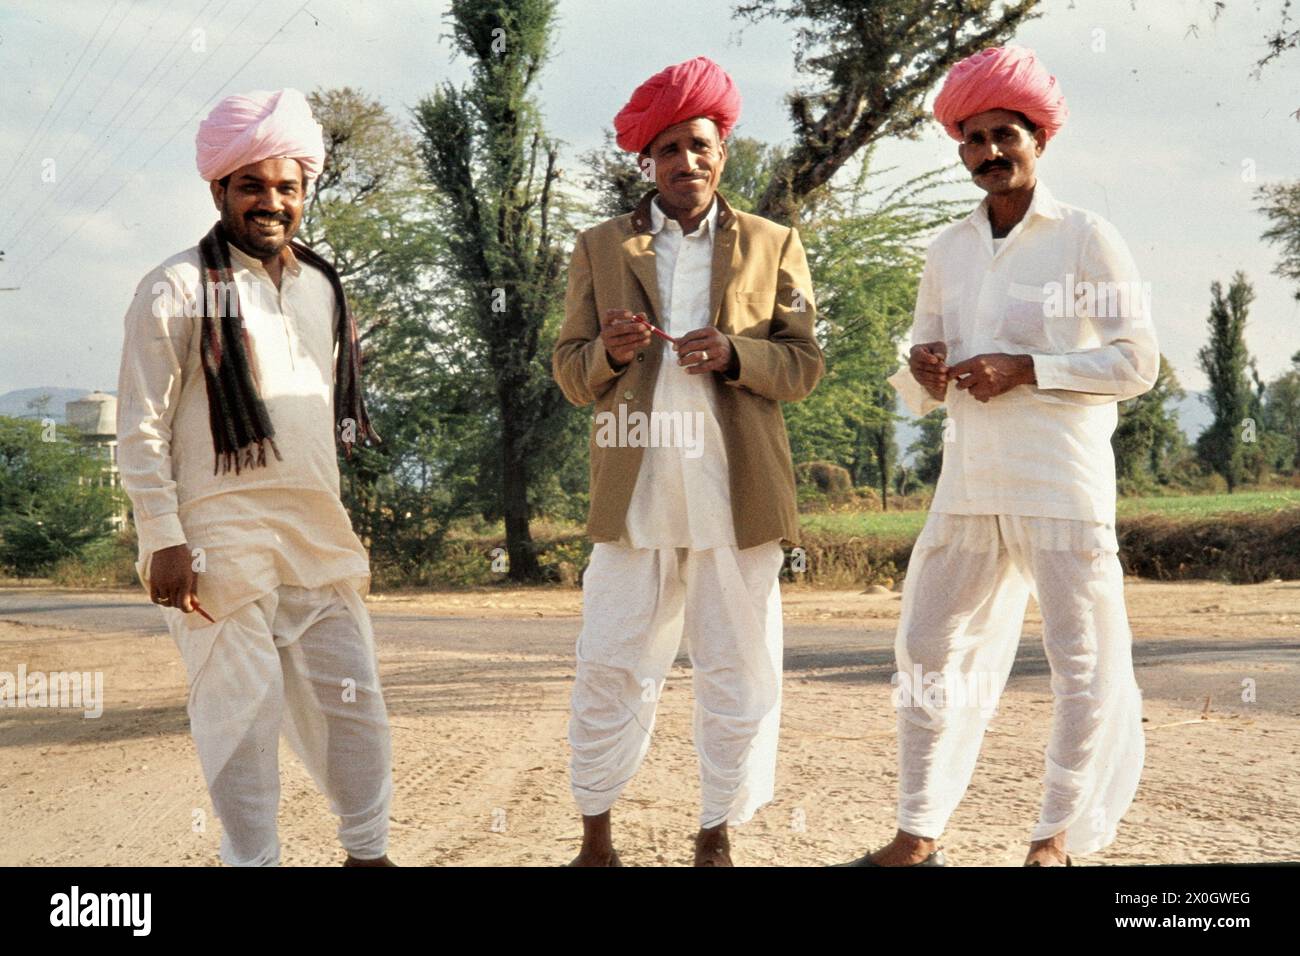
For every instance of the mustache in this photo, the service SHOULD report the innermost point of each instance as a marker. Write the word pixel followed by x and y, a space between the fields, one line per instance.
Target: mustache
pixel 273 217
pixel 991 165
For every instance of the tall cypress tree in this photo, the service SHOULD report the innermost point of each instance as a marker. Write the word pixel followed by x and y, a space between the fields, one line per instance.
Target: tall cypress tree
pixel 1224 359
pixel 487 153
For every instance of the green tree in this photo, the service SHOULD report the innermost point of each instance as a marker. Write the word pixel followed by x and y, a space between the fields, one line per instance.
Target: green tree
pixel 866 252
pixel 871 63
pixel 1282 207
pixel 928 447
pixel 495 170
pixel 1147 438
pixel 1224 359
pixel 54 499
pixel 369 214
pixel 1282 417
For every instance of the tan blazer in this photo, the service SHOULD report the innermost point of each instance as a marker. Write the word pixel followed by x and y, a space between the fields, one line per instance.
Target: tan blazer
pixel 761 298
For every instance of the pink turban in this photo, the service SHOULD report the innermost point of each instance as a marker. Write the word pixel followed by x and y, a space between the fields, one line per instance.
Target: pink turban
pixel 1001 78
pixel 698 87
pixel 248 128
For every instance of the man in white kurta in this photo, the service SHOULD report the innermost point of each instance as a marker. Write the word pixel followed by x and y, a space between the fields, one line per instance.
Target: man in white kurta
pixel 677 571
pixel 1030 325
pixel 277 565
pixel 688 520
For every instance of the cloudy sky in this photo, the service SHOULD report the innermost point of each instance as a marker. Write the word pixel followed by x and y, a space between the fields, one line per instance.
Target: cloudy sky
pixel 1169 135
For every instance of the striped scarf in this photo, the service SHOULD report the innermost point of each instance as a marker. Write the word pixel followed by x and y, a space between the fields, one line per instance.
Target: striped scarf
pixel 241 428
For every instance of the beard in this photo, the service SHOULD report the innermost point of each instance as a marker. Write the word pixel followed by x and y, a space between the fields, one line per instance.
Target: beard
pixel 248 234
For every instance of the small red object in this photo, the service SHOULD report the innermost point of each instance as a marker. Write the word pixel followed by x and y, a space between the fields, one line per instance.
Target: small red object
pixel 195 604
pixel 656 330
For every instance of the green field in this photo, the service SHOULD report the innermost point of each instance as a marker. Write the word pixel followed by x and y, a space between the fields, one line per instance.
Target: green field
pixel 1198 506
pixel 907 524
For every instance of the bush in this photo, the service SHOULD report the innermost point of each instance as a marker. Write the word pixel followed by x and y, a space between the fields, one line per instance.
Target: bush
pixel 54 502
pixel 106 563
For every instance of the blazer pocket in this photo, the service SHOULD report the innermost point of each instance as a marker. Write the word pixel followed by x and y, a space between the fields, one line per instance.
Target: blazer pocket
pixel 753 307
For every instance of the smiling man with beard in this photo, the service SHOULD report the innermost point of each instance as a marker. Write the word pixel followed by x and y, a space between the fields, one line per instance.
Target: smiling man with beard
pixel 1026 496
pixel 239 375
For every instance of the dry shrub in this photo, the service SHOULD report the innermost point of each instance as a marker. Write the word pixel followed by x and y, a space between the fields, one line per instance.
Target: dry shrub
pixel 1238 548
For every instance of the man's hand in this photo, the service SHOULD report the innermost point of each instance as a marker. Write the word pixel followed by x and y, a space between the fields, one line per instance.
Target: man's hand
pixel 993 373
pixel 623 335
pixel 172 579
pixel 704 350
pixel 926 363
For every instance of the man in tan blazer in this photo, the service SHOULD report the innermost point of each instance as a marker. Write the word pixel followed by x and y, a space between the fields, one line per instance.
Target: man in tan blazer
pixel 692 486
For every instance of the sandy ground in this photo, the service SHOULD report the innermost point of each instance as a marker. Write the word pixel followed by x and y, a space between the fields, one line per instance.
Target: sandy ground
pixel 480 751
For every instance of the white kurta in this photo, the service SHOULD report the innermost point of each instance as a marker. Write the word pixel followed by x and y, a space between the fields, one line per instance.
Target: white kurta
pixel 1038 449
pixel 280 567
pixel 1026 504
pixel 681 501
pixel 677 571
pixel 281 524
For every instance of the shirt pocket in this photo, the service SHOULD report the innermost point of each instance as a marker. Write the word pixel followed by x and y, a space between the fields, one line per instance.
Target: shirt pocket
pixel 1023 324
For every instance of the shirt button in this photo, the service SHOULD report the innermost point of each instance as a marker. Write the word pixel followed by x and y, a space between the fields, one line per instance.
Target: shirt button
pixel 628 395
pixel 640 356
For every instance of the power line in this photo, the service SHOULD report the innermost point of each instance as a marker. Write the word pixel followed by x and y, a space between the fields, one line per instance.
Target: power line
pixel 102 93
pixel 127 147
pixel 108 167
pixel 144 96
pixel 39 126
pixel 50 255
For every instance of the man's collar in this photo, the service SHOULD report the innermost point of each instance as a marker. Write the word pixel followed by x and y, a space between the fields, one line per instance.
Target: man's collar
pixel 287 258
pixel 1042 204
pixel 720 216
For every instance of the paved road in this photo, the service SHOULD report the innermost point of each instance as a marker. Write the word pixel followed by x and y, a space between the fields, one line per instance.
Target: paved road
pixel 825 644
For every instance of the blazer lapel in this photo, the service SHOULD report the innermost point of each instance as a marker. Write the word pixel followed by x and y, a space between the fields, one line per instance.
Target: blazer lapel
pixel 725 258
pixel 639 252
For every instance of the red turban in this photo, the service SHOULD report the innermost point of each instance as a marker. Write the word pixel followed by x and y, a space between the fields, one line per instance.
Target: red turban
pixel 1001 78
pixel 698 87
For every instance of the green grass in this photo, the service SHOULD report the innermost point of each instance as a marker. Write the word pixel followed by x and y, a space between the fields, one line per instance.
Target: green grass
pixel 1198 506
pixel 905 524
pixel 876 524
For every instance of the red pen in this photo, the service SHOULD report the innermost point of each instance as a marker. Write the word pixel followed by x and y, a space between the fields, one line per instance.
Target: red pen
pixel 655 329
pixel 195 604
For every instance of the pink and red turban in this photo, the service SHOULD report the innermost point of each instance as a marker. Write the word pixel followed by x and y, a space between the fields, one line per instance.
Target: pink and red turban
pixel 698 87
pixel 1001 78
pixel 248 128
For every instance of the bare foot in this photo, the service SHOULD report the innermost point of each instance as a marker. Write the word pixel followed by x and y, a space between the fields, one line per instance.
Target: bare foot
pixel 378 861
pixel 712 848
pixel 1049 852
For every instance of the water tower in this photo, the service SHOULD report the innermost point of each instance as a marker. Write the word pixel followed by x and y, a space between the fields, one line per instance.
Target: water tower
pixel 94 417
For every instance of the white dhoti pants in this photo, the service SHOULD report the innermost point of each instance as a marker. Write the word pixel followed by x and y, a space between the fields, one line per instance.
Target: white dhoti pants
pixel 637 603
pixel 964 601
pixel 302 654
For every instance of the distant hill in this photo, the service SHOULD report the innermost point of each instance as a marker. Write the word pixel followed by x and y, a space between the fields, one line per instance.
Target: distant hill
pixel 1193 418
pixel 15 404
